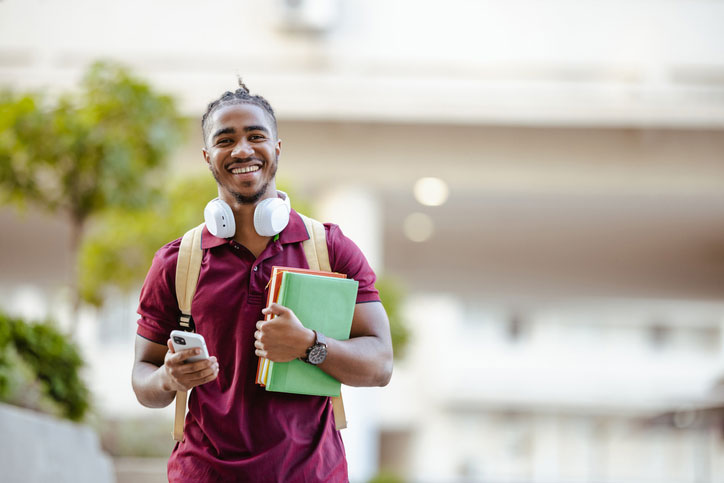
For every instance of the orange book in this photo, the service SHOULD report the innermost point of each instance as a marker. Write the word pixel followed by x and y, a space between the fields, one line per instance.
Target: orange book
pixel 275 281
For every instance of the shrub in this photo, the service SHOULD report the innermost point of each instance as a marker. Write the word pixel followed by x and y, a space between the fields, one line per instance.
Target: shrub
pixel 39 369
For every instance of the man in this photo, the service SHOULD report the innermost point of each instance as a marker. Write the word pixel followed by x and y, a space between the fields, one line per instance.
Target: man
pixel 235 430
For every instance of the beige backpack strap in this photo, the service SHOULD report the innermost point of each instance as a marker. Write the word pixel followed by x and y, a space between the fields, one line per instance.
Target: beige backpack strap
pixel 315 249
pixel 317 253
pixel 188 267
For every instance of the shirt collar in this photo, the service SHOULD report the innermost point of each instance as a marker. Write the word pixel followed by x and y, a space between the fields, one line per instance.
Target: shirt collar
pixel 210 241
pixel 294 232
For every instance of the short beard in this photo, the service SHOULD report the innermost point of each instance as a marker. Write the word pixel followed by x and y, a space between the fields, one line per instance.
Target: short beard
pixel 248 200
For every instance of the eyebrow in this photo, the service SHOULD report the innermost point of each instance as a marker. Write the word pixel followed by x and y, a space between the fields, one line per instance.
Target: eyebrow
pixel 256 128
pixel 231 130
pixel 223 130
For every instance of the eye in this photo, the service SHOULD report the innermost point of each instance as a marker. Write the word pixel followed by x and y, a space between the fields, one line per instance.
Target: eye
pixel 257 137
pixel 223 141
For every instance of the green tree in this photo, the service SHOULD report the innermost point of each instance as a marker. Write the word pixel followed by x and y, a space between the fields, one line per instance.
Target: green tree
pixel 95 149
pixel 120 244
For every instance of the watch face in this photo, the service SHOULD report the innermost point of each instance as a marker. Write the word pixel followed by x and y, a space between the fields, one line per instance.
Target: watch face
pixel 317 354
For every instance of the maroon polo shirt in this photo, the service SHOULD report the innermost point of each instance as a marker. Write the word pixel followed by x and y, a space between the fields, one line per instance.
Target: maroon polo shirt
pixel 235 430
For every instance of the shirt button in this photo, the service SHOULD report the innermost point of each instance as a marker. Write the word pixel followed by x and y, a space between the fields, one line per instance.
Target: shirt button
pixel 256 267
pixel 236 246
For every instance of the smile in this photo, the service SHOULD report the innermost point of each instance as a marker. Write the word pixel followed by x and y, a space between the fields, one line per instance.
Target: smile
pixel 247 169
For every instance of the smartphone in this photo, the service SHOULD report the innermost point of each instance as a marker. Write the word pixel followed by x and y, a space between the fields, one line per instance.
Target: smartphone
pixel 189 340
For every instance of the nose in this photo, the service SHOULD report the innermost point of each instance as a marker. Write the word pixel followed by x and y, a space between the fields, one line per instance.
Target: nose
pixel 242 149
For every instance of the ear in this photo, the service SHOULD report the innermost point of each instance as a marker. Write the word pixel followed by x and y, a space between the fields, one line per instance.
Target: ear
pixel 279 147
pixel 206 157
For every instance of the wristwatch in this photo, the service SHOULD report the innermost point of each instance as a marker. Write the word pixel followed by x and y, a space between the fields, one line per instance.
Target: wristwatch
pixel 317 352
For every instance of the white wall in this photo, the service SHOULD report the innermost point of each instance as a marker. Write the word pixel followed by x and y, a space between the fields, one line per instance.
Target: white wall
pixel 37 448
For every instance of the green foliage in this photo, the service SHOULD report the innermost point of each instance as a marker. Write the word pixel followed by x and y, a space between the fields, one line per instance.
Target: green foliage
pixel 119 247
pixel 39 369
pixel 391 295
pixel 386 477
pixel 89 151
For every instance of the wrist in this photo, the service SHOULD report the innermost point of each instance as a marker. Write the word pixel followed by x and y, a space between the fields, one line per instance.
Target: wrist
pixel 317 352
pixel 309 340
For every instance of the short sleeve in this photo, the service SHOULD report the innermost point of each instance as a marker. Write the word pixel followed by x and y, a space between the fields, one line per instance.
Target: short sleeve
pixel 158 307
pixel 346 257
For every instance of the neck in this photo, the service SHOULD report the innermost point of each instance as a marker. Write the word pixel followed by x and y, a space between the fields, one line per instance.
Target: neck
pixel 245 233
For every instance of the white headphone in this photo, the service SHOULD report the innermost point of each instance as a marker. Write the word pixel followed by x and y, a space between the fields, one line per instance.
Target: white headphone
pixel 271 216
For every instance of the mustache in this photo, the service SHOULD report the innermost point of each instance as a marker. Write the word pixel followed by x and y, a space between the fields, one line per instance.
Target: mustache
pixel 248 159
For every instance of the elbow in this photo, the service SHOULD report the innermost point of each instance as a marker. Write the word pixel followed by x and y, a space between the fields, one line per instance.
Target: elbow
pixel 139 394
pixel 385 378
pixel 385 372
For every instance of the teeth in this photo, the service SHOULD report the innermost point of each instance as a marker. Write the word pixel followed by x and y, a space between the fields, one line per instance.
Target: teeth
pixel 248 169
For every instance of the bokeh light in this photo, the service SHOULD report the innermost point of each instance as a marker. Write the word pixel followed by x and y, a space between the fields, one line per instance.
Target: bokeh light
pixel 418 227
pixel 431 191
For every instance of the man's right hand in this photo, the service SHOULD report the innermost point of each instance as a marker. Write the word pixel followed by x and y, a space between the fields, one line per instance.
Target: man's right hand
pixel 180 375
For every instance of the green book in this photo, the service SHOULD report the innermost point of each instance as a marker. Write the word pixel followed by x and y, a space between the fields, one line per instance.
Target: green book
pixel 325 304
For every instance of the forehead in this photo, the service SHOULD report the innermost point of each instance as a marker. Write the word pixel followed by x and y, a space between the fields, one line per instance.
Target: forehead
pixel 238 116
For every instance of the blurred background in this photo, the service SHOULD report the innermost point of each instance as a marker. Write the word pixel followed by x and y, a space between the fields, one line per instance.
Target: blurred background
pixel 539 185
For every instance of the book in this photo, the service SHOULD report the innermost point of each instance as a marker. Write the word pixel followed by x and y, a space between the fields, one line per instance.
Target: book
pixel 321 303
pixel 275 281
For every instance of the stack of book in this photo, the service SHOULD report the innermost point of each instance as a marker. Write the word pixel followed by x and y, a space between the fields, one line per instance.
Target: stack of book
pixel 322 301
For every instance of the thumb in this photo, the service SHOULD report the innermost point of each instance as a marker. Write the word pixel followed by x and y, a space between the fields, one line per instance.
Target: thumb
pixel 170 346
pixel 275 309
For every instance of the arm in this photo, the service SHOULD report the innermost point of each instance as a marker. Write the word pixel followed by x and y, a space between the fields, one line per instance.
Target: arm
pixel 158 372
pixel 363 360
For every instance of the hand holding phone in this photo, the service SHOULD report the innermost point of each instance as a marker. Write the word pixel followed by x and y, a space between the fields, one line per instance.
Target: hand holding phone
pixel 189 340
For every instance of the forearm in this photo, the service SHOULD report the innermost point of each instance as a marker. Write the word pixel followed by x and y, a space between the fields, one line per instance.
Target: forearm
pixel 363 360
pixel 360 361
pixel 150 387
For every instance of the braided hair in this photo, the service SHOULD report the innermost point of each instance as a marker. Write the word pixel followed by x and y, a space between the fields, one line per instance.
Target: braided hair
pixel 239 96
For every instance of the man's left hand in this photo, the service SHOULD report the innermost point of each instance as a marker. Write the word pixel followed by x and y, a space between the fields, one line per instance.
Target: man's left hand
pixel 283 338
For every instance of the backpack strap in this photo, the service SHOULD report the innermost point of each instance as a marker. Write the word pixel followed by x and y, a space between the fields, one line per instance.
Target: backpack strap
pixel 317 253
pixel 188 267
pixel 315 249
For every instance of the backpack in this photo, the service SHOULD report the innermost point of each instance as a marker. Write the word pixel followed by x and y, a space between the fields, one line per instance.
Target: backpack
pixel 188 267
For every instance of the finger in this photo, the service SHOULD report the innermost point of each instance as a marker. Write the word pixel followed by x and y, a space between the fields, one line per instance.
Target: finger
pixel 194 378
pixel 199 381
pixel 260 353
pixel 258 344
pixel 277 309
pixel 170 346
pixel 199 376
pixel 206 379
pixel 260 323
pixel 181 356
pixel 192 367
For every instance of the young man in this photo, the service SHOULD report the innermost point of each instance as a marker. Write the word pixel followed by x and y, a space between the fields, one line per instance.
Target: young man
pixel 235 430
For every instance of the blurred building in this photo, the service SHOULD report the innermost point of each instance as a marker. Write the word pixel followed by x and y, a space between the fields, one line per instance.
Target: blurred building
pixel 565 284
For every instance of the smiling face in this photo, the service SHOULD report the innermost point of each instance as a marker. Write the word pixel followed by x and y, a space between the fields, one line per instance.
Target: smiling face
pixel 242 152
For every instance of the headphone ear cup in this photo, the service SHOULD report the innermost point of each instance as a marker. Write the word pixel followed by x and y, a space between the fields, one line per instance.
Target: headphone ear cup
pixel 271 216
pixel 219 218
